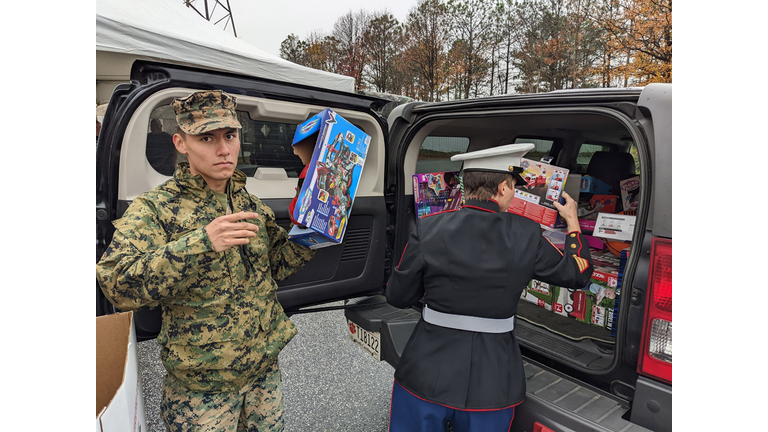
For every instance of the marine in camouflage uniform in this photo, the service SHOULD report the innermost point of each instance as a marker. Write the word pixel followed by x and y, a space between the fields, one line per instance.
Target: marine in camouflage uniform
pixel 223 327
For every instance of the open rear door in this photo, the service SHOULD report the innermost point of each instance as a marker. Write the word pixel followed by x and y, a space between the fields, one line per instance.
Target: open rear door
pixel 269 112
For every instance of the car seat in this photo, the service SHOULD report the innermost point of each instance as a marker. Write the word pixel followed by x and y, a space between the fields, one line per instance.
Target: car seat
pixel 612 168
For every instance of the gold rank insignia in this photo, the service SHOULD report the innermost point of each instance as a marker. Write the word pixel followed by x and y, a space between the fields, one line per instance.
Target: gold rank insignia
pixel 581 262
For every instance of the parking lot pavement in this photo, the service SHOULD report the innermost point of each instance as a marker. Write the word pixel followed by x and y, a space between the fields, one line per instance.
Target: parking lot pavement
pixel 329 383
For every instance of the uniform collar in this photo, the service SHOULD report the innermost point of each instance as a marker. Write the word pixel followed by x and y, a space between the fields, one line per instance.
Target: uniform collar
pixel 489 205
pixel 184 177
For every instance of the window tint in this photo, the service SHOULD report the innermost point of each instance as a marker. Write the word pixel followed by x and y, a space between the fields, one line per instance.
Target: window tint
pixel 267 144
pixel 543 147
pixel 586 151
pixel 262 143
pixel 435 154
pixel 160 151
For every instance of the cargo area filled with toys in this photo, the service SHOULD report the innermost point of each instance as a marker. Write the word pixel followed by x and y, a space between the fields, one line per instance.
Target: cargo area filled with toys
pixel 606 217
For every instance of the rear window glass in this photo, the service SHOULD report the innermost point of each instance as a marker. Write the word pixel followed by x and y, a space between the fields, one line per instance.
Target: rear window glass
pixel 542 149
pixel 262 143
pixel 435 154
pixel 586 151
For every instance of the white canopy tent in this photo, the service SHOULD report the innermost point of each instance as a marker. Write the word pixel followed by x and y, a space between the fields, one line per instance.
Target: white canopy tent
pixel 167 30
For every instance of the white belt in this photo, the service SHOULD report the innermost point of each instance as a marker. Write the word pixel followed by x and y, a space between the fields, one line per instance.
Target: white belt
pixel 468 323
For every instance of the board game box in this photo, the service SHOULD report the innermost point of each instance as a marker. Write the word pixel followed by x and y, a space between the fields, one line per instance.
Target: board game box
pixel 436 192
pixel 328 192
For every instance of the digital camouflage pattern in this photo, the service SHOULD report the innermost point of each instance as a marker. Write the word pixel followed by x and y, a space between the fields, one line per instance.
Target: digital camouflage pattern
pixel 205 111
pixel 222 324
pixel 260 406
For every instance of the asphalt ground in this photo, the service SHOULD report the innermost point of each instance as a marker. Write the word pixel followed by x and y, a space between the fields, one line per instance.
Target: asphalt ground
pixel 329 382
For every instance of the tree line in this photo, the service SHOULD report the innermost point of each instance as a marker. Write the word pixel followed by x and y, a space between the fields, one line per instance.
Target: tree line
pixel 460 49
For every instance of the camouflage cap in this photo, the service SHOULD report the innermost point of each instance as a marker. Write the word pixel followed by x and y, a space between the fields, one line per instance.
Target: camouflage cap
pixel 205 111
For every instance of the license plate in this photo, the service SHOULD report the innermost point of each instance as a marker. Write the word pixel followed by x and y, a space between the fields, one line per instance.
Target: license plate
pixel 370 341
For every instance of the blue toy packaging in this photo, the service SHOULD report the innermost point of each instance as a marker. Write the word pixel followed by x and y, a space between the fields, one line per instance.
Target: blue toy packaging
pixel 329 189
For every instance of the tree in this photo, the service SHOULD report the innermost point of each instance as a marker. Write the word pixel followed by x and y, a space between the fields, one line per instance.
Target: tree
pixel 382 43
pixel 293 49
pixel 425 40
pixel 644 29
pixel 471 22
pixel 348 33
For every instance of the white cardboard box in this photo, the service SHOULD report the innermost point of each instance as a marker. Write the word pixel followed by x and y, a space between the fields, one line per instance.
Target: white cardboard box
pixel 614 226
pixel 119 400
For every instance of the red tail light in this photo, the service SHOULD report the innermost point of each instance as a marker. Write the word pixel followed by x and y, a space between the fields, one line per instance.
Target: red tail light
pixel 656 350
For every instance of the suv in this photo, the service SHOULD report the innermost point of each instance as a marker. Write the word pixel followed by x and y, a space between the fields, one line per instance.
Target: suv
pixel 580 377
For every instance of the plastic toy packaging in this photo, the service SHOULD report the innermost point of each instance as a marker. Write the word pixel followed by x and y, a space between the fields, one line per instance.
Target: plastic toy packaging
pixel 437 192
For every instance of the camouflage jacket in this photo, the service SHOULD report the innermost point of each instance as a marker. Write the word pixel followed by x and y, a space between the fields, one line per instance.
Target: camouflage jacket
pixel 222 324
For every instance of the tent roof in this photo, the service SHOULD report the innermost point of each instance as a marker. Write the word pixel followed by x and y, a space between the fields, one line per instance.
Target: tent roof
pixel 168 30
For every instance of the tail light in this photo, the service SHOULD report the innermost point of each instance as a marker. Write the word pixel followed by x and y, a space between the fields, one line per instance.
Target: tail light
pixel 656 351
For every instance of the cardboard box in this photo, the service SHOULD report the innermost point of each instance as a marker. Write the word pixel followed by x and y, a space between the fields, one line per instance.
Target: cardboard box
pixel 572 303
pixel 538 293
pixel 630 193
pixel 602 295
pixel 437 192
pixel 593 185
pixel 329 190
pixel 544 185
pixel 119 399
pixel 614 226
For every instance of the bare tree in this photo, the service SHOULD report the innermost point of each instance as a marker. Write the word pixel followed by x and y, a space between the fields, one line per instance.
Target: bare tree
pixel 382 42
pixel 426 39
pixel 348 33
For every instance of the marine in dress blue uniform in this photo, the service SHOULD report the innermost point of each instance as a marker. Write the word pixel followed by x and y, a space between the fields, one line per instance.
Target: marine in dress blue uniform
pixel 470 266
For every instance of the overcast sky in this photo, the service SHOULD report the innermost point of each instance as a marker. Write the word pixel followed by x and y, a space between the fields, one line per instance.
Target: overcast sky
pixel 266 24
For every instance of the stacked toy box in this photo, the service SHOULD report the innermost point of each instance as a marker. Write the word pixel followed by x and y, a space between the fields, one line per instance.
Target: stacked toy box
pixel 329 190
pixel 437 192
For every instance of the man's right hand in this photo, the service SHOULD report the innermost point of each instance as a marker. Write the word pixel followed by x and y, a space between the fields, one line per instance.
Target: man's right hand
pixel 227 231
pixel 569 212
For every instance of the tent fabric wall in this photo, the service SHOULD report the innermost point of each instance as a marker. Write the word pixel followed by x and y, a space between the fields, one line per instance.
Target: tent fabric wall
pixel 167 30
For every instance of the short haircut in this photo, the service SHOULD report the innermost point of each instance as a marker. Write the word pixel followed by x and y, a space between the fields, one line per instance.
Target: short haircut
pixel 484 185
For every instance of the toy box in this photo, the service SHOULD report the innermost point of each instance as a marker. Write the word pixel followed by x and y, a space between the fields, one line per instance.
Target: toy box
pixel 572 303
pixel 593 305
pixel 630 193
pixel 333 176
pixel 614 226
pixel 538 293
pixel 534 199
pixel 593 185
pixel 602 294
pixel 436 192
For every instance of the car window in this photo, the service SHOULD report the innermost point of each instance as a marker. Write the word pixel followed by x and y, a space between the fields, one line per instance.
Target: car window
pixel 542 149
pixel 262 143
pixel 436 151
pixel 586 151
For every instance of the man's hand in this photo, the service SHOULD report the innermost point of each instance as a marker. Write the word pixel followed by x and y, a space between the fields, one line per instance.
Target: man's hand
pixel 569 212
pixel 227 231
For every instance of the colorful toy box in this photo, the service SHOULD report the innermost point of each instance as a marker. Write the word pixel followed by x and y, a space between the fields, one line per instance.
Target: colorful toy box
pixel 329 189
pixel 630 193
pixel 593 185
pixel 437 192
pixel 538 293
pixel 602 293
pixel 544 185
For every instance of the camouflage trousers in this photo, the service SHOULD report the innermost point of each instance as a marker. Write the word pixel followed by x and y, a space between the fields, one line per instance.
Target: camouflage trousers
pixel 256 408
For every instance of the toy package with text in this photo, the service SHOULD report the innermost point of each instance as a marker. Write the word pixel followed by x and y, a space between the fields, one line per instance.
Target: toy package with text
pixel 437 192
pixel 544 186
pixel 326 197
